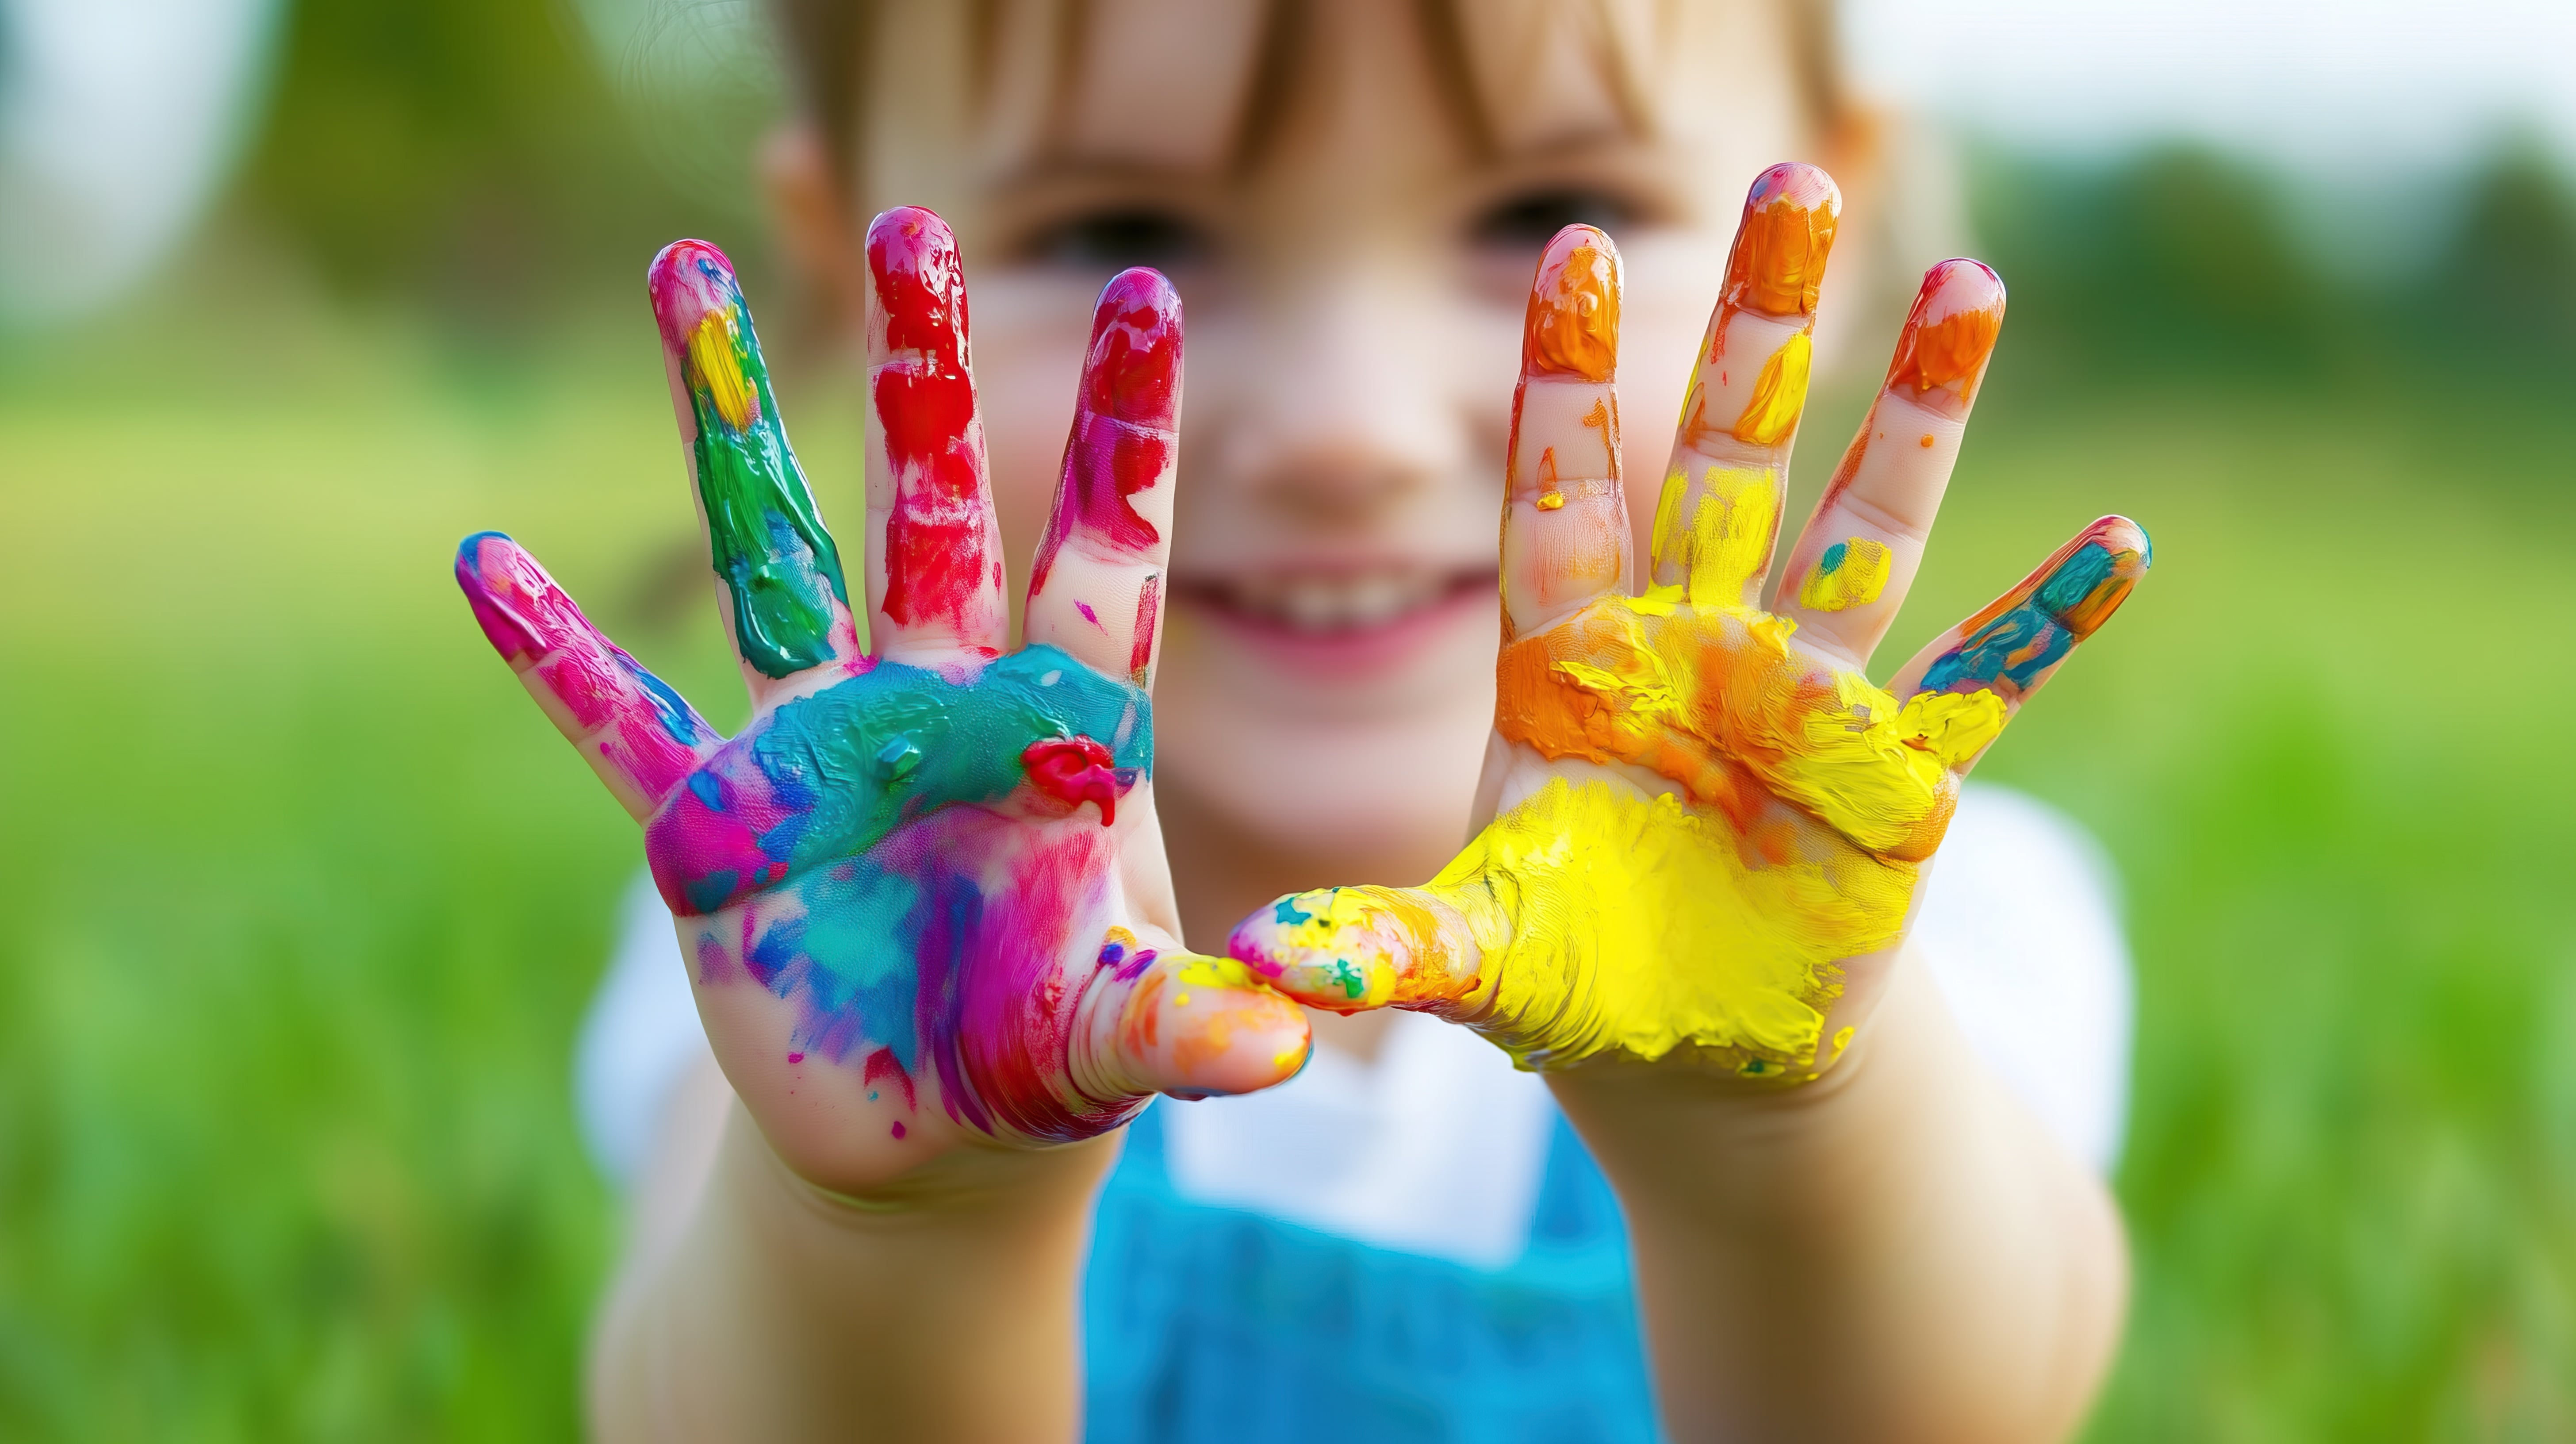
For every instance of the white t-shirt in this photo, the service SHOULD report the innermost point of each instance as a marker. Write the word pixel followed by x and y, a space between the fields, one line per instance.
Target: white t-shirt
pixel 2019 924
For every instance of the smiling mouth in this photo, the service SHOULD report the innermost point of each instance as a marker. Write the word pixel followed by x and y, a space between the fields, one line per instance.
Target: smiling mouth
pixel 1344 605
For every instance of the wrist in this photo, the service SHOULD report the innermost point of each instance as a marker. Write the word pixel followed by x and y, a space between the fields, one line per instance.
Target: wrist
pixel 1675 1126
pixel 790 1311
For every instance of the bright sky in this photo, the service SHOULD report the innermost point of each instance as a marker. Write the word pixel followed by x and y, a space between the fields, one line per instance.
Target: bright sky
pixel 2334 85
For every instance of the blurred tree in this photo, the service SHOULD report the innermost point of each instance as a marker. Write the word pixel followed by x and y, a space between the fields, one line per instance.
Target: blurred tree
pixel 464 152
pixel 2176 254
pixel 2509 274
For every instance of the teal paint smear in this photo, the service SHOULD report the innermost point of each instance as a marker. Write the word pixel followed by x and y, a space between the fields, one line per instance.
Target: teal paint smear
pixel 880 749
pixel 765 536
pixel 826 777
pixel 863 974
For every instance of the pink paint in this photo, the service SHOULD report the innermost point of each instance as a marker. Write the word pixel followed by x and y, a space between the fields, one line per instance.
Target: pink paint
pixel 1123 436
pixel 686 291
pixel 898 1129
pixel 883 1067
pixel 1076 770
pixel 938 554
pixel 1014 1008
pixel 1140 652
pixel 795 1057
pixel 536 627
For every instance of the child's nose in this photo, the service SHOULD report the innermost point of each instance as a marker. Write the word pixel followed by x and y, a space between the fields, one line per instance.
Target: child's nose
pixel 1343 415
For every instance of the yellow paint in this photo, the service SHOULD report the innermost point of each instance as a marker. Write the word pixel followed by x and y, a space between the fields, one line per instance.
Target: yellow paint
pixel 1551 501
pixel 1727 542
pixel 717 365
pixel 1859 581
pixel 1714 918
pixel 1779 394
pixel 1590 920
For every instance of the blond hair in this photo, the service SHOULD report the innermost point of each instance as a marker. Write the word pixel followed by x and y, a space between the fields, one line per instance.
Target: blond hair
pixel 829 46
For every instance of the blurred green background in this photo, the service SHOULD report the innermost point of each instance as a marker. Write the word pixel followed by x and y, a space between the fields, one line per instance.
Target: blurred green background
pixel 310 900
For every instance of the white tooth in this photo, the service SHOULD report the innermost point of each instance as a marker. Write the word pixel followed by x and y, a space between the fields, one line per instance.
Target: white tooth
pixel 1313 605
pixel 1374 601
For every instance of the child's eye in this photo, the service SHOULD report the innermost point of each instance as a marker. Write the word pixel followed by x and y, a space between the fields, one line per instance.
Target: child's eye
pixel 1110 240
pixel 1522 223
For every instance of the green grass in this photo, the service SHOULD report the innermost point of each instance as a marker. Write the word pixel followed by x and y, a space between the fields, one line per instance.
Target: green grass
pixel 307 898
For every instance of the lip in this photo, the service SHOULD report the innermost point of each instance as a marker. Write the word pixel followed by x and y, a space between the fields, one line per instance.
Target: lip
pixel 1348 653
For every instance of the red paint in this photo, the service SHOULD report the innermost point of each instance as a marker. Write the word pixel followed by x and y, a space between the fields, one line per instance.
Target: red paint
pixel 1140 652
pixel 1075 770
pixel 898 1130
pixel 1124 422
pixel 938 537
pixel 883 1066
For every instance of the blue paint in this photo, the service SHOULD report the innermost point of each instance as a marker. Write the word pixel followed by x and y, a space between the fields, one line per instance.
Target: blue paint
pixel 1832 561
pixel 852 956
pixel 2027 639
pixel 677 720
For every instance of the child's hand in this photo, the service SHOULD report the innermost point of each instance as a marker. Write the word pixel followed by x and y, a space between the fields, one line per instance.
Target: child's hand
pixel 923 892
pixel 1707 826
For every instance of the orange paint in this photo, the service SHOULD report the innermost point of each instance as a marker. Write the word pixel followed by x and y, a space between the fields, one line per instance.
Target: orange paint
pixel 1778 263
pixel 2119 536
pixel 1614 684
pixel 1572 326
pixel 1951 331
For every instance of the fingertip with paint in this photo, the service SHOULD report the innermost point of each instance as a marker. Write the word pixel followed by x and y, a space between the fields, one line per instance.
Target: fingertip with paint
pixel 516 603
pixel 1778 263
pixel 1132 372
pixel 1949 336
pixel 1328 948
pixel 1572 326
pixel 918 285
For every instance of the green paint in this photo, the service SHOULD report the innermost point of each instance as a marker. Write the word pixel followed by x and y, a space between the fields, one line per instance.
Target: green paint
pixel 764 534
pixel 855 761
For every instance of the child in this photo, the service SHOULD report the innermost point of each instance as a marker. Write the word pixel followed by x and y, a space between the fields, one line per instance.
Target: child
pixel 1841 1225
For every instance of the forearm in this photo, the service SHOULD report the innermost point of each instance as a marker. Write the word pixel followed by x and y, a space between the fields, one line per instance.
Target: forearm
pixel 1898 1252
pixel 942 1308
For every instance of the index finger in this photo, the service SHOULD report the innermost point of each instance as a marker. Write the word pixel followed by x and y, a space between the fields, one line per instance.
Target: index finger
pixel 784 598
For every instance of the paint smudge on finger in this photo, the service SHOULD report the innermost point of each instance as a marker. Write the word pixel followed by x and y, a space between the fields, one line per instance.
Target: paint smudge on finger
pixel 1949 336
pixel 1140 650
pixel 1777 266
pixel 1125 422
pixel 764 532
pixel 1712 539
pixel 639 728
pixel 2011 645
pixel 941 564
pixel 1848 573
pixel 1571 327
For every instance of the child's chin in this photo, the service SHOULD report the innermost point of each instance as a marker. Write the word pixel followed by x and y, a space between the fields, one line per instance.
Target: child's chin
pixel 1382 800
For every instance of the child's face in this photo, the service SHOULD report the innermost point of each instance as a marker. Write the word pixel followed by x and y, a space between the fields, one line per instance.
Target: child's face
pixel 1354 280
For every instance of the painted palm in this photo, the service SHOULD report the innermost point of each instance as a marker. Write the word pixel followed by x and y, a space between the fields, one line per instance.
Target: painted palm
pixel 922 891
pixel 1703 825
